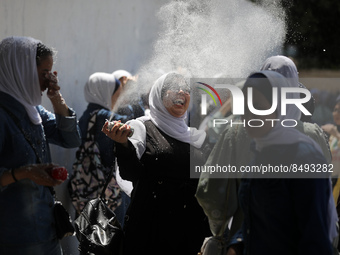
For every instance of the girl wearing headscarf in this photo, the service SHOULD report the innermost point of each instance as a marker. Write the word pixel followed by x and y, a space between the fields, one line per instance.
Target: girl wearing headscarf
pixel 26 214
pixel 101 91
pixel 164 216
pixel 129 106
pixel 291 214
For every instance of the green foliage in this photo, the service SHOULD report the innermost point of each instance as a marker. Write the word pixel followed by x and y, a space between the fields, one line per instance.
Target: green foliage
pixel 313 32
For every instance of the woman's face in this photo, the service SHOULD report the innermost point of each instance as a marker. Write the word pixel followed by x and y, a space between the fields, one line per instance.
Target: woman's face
pixel 336 114
pixel 260 103
pixel 44 68
pixel 176 102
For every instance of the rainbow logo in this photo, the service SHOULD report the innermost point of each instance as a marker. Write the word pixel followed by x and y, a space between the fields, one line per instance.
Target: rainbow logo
pixel 209 93
pixel 204 100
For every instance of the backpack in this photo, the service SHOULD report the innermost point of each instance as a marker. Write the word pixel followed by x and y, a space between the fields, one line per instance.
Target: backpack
pixel 89 175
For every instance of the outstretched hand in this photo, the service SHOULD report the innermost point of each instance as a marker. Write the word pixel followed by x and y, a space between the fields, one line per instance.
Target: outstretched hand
pixel 117 133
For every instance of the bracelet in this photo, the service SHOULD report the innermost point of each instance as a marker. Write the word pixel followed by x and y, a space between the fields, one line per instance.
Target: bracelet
pixel 12 173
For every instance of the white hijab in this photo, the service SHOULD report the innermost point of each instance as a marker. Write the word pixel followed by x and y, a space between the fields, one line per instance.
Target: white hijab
pixel 121 73
pixel 282 65
pixel 172 126
pixel 279 134
pixel 287 68
pixel 99 89
pixel 19 75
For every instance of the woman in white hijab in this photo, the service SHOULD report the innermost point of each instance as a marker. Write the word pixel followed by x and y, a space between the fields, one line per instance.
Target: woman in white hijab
pixel 101 91
pixel 284 212
pixel 26 215
pixel 164 214
pixel 123 76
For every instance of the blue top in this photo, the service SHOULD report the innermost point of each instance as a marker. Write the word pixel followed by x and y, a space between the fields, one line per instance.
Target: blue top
pixel 104 143
pixel 26 214
pixel 286 216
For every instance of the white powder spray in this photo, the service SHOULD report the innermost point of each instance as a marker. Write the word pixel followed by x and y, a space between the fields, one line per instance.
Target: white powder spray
pixel 207 39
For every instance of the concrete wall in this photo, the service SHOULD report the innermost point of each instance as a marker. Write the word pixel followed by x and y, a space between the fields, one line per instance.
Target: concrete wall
pixel 90 36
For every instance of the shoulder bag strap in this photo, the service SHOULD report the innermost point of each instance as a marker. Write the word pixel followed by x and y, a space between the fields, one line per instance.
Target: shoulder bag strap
pixel 90 136
pixel 102 195
pixel 90 125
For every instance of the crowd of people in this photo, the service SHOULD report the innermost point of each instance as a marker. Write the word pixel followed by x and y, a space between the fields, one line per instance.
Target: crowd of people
pixel 162 209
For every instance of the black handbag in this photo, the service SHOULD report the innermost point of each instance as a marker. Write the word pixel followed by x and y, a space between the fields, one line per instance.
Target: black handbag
pixel 89 174
pixel 97 228
pixel 63 224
